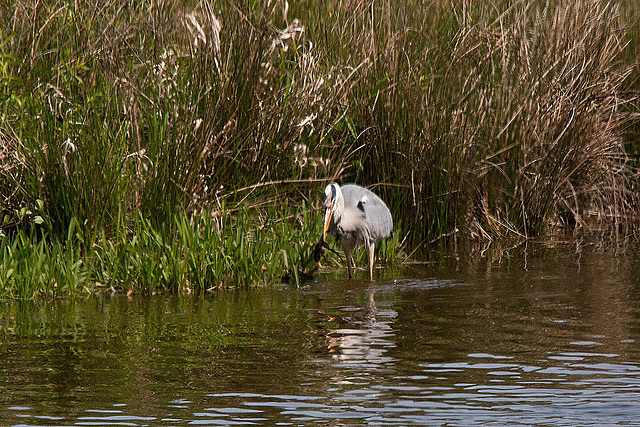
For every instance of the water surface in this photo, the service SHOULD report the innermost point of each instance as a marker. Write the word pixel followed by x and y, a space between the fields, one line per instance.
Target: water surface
pixel 541 334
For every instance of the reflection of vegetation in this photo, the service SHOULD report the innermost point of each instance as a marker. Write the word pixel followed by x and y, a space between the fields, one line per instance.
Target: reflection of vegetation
pixel 483 118
pixel 114 350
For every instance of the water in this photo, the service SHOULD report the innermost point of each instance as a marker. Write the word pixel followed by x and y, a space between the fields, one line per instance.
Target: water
pixel 542 334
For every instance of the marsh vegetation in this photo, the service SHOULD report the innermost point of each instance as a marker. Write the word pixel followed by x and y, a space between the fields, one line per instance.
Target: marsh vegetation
pixel 169 145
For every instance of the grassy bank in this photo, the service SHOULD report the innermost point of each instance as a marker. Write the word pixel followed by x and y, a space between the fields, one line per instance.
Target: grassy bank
pixel 124 121
pixel 193 253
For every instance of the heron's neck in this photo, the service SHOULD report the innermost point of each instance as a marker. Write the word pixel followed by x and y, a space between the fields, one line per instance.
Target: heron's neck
pixel 338 209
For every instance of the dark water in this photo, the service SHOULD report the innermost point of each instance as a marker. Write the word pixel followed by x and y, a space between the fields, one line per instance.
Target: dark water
pixel 540 334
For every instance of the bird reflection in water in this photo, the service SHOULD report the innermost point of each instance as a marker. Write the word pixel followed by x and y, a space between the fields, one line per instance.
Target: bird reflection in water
pixel 363 341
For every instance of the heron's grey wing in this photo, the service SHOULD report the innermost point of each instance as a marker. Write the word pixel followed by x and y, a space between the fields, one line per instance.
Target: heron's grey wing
pixel 377 216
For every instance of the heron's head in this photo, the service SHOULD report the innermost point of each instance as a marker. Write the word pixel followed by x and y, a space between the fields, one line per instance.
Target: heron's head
pixel 330 201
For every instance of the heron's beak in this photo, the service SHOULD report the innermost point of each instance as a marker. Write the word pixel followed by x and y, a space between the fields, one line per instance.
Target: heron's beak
pixel 327 220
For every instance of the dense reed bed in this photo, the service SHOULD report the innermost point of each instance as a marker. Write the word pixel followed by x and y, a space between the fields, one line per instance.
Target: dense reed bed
pixel 142 123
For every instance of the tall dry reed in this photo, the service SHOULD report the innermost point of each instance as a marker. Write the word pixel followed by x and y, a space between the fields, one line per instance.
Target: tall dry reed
pixel 495 119
pixel 482 118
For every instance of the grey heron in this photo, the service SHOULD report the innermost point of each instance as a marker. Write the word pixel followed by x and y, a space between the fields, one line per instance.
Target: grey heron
pixel 355 216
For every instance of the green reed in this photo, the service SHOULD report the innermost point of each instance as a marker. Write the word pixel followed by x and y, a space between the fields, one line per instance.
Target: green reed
pixel 195 253
pixel 32 267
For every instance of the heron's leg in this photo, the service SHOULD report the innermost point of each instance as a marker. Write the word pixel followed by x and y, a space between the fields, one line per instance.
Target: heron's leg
pixel 370 252
pixel 347 253
pixel 348 245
